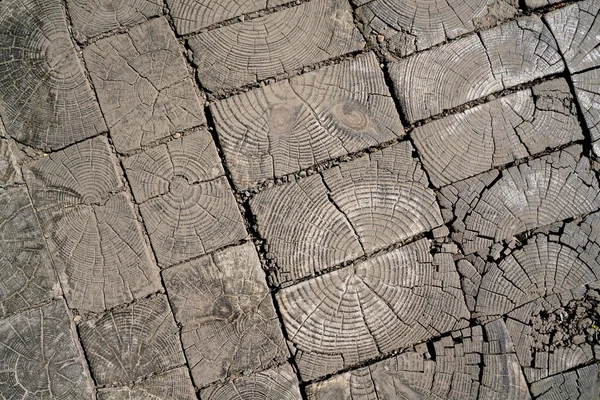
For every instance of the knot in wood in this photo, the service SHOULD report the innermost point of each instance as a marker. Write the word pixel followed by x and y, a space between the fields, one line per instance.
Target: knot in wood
pixel 351 115
pixel 179 186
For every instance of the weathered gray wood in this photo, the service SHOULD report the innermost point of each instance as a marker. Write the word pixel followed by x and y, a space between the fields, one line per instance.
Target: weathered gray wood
pixel 587 89
pixel 472 67
pixel 39 358
pixel 143 85
pixel 26 274
pixel 392 301
pixel 555 334
pixel 466 365
pixel 576 28
pixel 362 206
pixel 242 53
pixel 192 15
pixel 291 125
pixel 132 341
pixel 229 324
pixel 92 18
pixel 193 156
pixel 171 385
pixel 10 172
pixel 274 384
pixel 580 384
pixel 45 99
pixel 496 133
pixel 410 26
pixel 384 196
pixel 494 206
pixel 94 236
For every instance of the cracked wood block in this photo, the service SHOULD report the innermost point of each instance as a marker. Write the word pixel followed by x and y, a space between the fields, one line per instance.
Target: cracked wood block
pixel 473 363
pixel 92 229
pixel 243 53
pixel 273 384
pixel 46 101
pixel 293 124
pixel 174 384
pixel 360 312
pixel 410 26
pixel 92 18
pixel 356 208
pixel 192 15
pixel 10 172
pixel 499 132
pixel 543 265
pixel 555 334
pixel 587 90
pixel 473 67
pixel 39 357
pixel 229 324
pixel 26 274
pixel 576 28
pixel 143 85
pixel 494 206
pixel 132 341
pixel 580 384
pixel 185 199
pixel 531 4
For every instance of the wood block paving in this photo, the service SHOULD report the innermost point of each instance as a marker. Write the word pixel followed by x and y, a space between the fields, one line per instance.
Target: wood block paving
pixel 299 199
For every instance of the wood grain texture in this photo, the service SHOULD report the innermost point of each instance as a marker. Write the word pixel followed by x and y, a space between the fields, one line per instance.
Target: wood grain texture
pixel 580 384
pixel 92 18
pixel 171 385
pixel 472 67
pixel 545 265
pixel 192 15
pixel 10 171
pixel 499 132
pixel 494 206
pixel 360 312
pixel 93 235
pixel 362 206
pixel 143 85
pixel 576 28
pixel 292 125
pixel 131 342
pixel 45 99
pixel 26 274
pixel 229 324
pixel 239 54
pixel 274 384
pixel 587 90
pixel 474 363
pixel 410 26
pixel 39 358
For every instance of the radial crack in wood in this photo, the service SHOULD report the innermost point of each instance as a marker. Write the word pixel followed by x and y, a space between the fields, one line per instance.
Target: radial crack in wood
pixel 92 18
pixel 475 66
pixel 143 85
pixel 351 315
pixel 587 89
pixel 46 101
pixel 243 53
pixel 171 385
pixel 292 125
pixel 499 132
pixel 39 358
pixel 274 384
pixel 229 324
pixel 10 172
pixel 580 384
pixel 474 363
pixel 410 26
pixel 193 15
pixel 494 206
pixel 93 235
pixel 132 341
pixel 576 28
pixel 26 274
